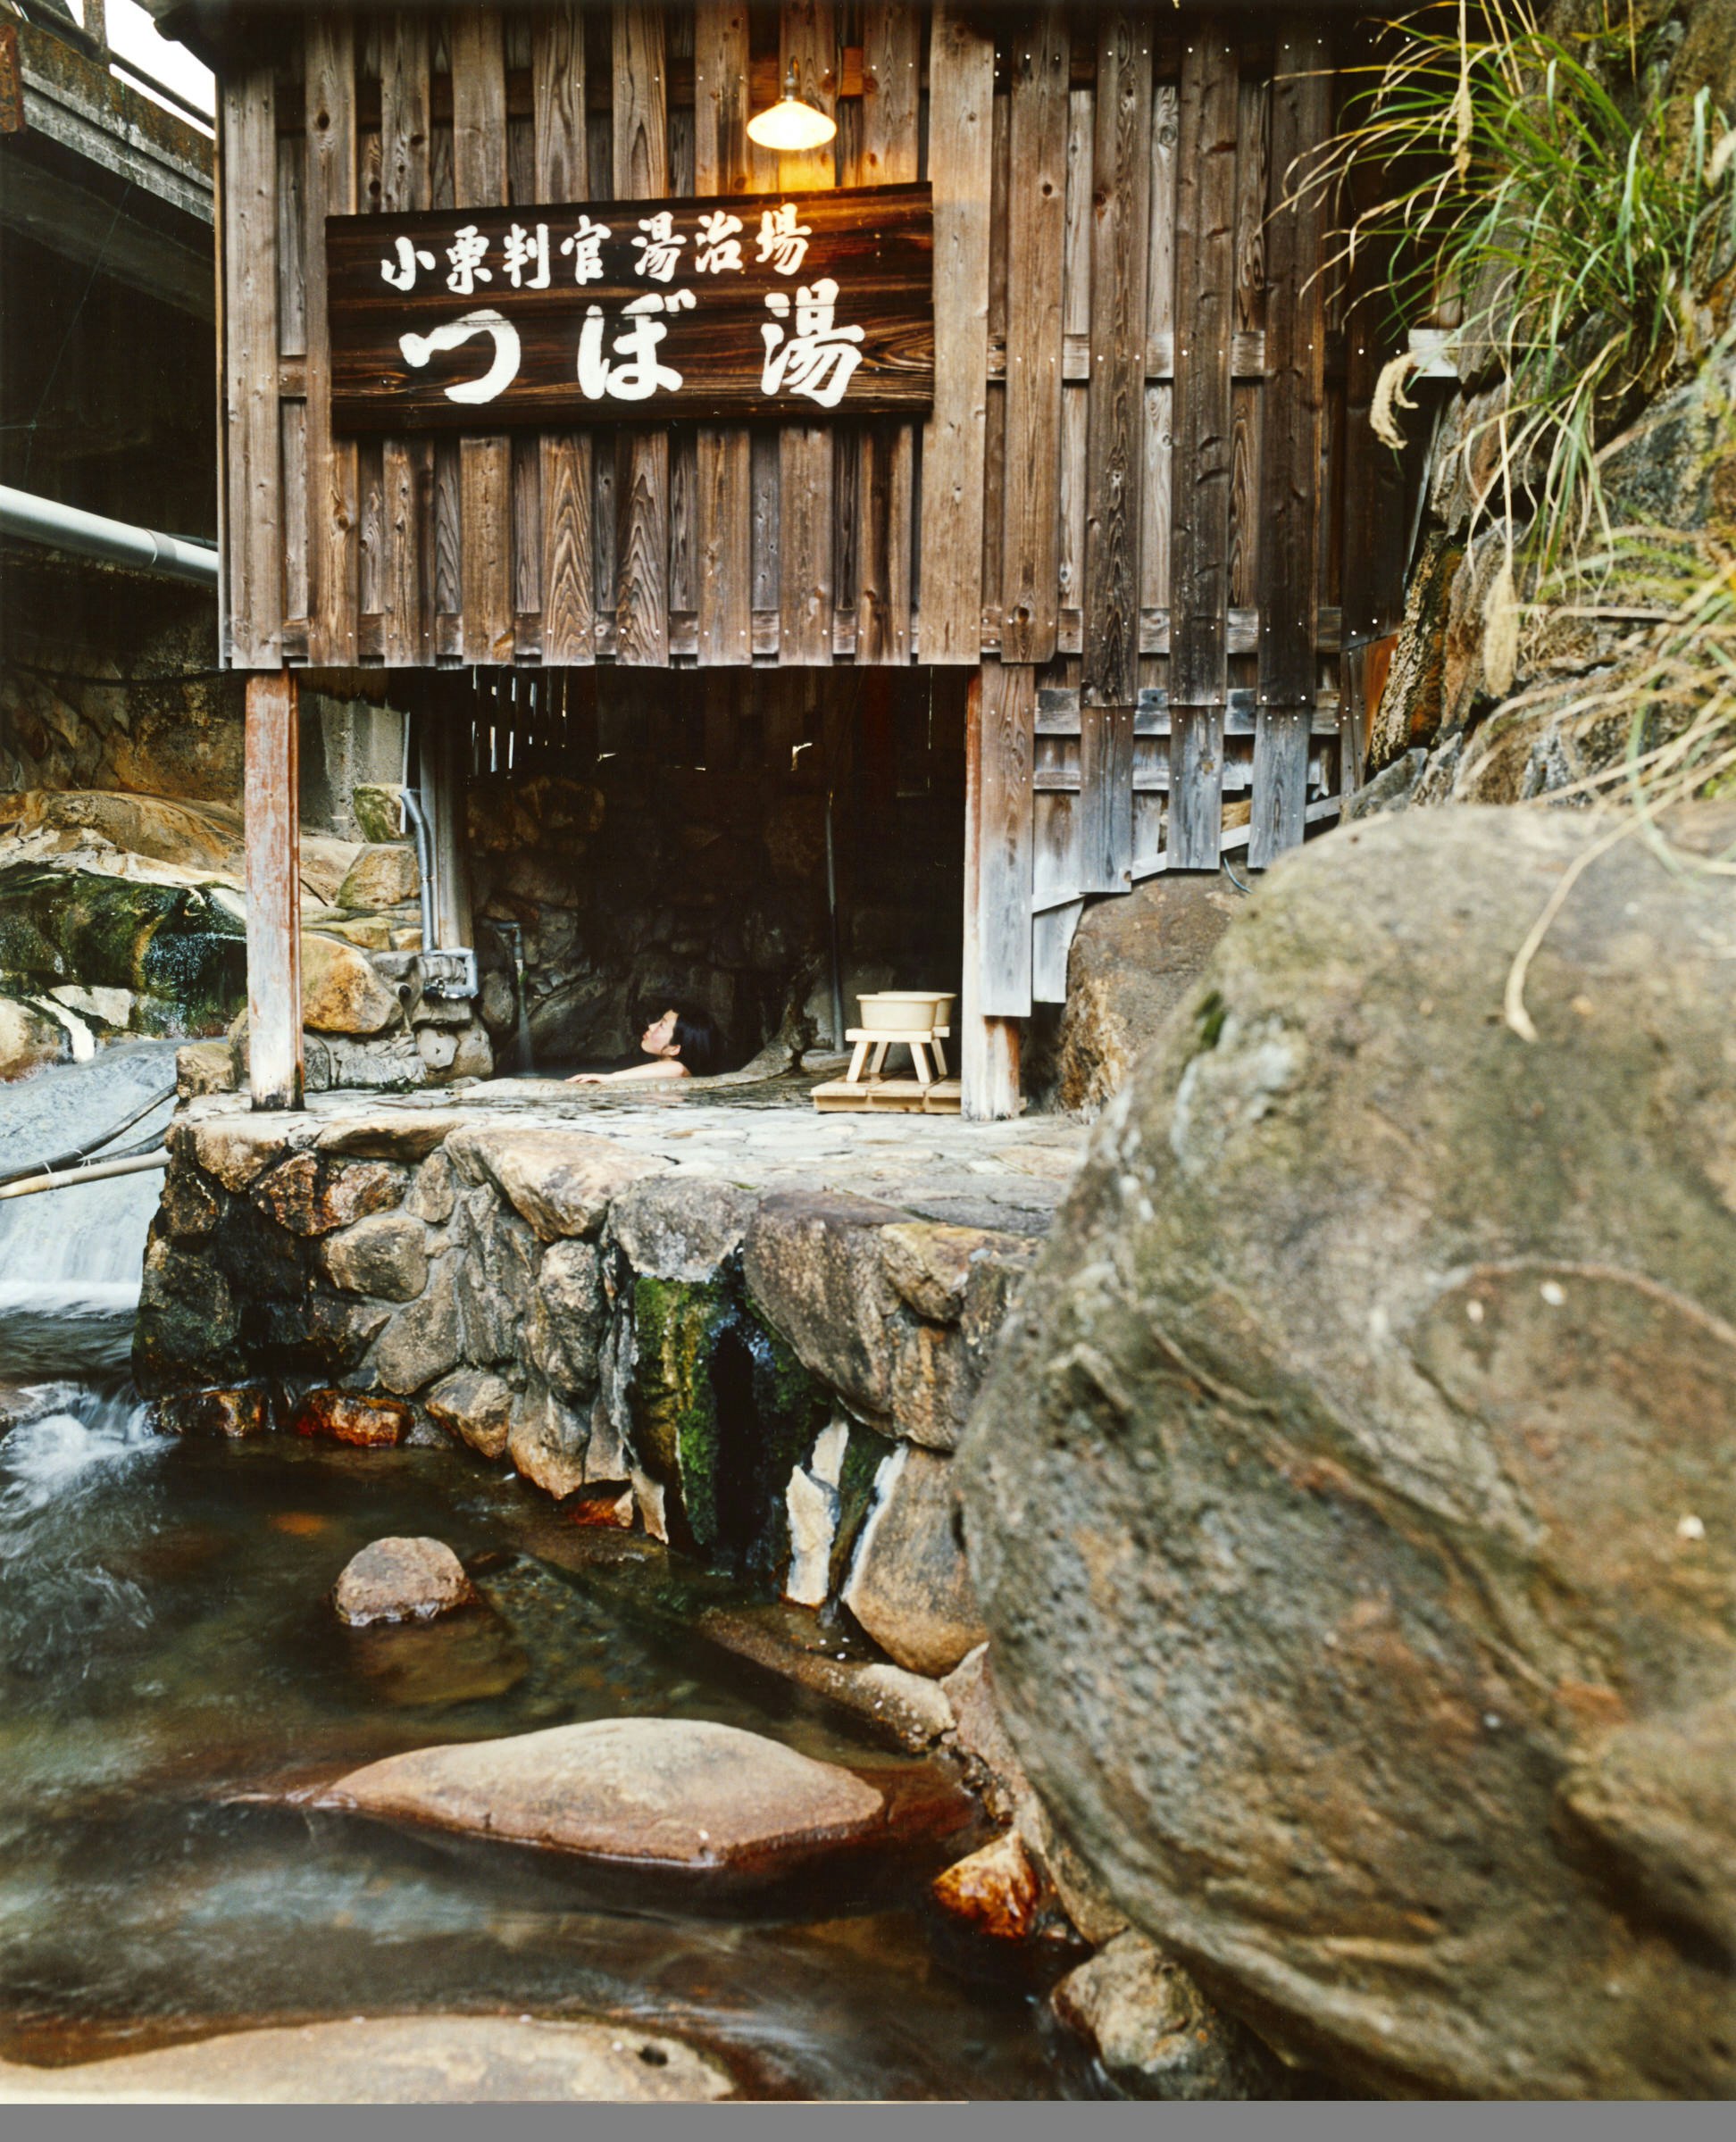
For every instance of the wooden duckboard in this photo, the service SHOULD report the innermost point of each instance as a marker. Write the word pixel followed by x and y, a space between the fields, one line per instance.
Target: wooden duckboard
pixel 888 1097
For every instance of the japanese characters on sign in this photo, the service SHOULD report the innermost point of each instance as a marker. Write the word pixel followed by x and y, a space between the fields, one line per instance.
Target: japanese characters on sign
pixel 755 305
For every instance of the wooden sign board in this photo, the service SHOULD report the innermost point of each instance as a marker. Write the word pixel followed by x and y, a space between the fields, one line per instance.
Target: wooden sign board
pixel 761 305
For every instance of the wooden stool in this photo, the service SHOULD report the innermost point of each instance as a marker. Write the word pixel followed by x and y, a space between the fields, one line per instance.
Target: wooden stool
pixel 870 1044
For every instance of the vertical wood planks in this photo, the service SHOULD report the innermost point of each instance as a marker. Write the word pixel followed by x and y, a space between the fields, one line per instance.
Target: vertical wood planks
pixel 1203 457
pixel 557 96
pixel 274 870
pixel 1114 441
pixel 961 145
pixel 329 189
pixel 406 465
pixel 1030 550
pixel 479 181
pixel 805 451
pixel 254 522
pixel 892 58
pixel 1008 702
pixel 641 172
pixel 1158 482
pixel 1114 449
pixel 988 1045
pixel 1296 339
pixel 723 162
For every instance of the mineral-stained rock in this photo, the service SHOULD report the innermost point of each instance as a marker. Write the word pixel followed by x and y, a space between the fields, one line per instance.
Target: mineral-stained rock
pixel 548 1440
pixel 341 994
pixel 1157 2035
pixel 568 1317
pixel 392 2059
pixel 909 1587
pixel 312 1197
pixel 476 1406
pixel 187 1315
pixel 994 1890
pixel 561 1180
pixel 400 1579
pixel 385 1255
pixel 232 1414
pixel 385 1133
pixel 381 876
pixel 679 1227
pixel 187 1209
pixel 1347 1501
pixel 664 1791
pixel 421 1343
pixel 929 1265
pixel 30 1039
pixel 351 1417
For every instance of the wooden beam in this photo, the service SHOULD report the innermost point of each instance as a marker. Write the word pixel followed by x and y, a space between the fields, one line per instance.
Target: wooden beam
pixel 333 514
pixel 273 868
pixel 988 1046
pixel 805 485
pixel 641 172
pixel 724 162
pixel 479 181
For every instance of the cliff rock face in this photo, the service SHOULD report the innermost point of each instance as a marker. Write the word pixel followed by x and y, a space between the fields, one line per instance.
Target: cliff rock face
pixel 1351 1503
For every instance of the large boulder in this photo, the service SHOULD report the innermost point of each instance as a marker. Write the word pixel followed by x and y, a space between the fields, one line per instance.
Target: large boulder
pixel 663 1791
pixel 1351 1505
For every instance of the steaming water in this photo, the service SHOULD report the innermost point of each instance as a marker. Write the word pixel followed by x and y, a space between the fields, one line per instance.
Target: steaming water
pixel 70 1259
pixel 173 1685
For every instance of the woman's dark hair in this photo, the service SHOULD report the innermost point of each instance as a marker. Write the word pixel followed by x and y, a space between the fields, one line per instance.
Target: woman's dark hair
pixel 697 1040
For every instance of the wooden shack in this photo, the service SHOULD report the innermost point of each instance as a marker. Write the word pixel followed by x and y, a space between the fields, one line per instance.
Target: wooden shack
pixel 1132 505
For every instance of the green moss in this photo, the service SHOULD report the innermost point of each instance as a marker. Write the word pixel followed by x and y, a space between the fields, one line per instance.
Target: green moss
pixel 678 1324
pixel 1209 1019
pixel 179 951
pixel 863 1454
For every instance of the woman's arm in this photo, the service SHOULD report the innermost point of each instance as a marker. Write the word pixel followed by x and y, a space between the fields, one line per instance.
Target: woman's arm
pixel 661 1067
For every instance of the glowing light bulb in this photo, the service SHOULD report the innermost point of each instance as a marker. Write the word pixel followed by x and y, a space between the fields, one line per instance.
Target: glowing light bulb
pixel 792 124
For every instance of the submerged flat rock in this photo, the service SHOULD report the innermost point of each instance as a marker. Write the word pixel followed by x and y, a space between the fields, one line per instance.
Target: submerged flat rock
pixel 391 2060
pixel 663 1791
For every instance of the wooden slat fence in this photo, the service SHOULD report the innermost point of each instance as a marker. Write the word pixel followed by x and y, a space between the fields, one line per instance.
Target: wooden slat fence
pixel 1144 501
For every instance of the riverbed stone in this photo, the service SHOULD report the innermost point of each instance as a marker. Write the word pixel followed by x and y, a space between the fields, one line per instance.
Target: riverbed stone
pixel 393 2059
pixel 994 1890
pixel 401 1579
pixel 562 1181
pixel 357 1418
pixel 475 1405
pixel 909 1587
pixel 1157 2035
pixel 385 1255
pixel 341 992
pixel 1347 1501
pixel 422 1342
pixel 309 1196
pixel 231 1414
pixel 383 874
pixel 679 1227
pixel 569 1316
pixel 660 1791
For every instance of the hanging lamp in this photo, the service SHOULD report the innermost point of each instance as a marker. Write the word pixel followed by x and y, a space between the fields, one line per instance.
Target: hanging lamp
pixel 793 123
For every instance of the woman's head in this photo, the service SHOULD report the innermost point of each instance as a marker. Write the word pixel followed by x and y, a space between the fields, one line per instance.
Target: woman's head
pixel 688 1036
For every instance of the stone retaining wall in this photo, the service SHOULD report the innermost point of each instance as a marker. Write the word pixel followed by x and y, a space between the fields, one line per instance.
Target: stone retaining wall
pixel 771 1381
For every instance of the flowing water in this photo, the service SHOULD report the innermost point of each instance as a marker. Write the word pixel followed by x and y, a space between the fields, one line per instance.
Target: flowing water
pixel 177 1688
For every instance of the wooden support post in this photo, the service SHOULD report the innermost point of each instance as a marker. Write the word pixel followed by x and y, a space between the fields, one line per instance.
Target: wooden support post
pixel 988 1048
pixel 273 840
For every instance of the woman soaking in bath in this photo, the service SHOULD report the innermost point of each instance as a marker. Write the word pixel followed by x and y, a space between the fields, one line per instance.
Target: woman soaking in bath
pixel 681 1044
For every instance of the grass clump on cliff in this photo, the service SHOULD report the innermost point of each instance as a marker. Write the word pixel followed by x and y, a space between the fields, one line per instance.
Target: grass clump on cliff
pixel 1576 213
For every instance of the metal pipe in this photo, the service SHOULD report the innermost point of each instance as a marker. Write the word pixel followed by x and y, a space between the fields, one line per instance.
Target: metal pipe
pixel 832 917
pixel 97 1172
pixel 78 1152
pixel 96 536
pixel 418 819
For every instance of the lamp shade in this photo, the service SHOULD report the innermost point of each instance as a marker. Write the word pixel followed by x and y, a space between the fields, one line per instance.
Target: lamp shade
pixel 790 125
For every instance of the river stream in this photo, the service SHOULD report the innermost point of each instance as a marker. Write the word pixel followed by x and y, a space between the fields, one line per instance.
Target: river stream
pixel 177 1689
